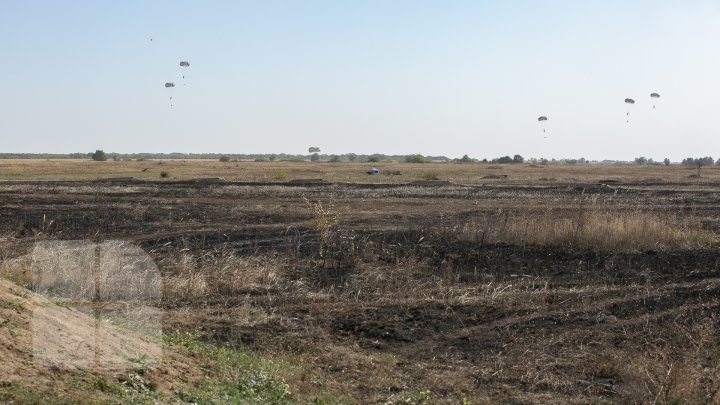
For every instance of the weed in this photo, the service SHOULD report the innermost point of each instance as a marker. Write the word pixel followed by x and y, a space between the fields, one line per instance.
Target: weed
pixel 15 306
pixel 335 243
pixel 279 176
pixel 422 397
pixel 141 364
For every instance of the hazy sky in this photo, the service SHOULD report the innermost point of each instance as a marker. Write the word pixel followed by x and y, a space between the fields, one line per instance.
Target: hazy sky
pixel 395 77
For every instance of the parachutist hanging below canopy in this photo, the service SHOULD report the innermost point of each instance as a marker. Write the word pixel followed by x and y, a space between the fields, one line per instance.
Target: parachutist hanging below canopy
pixel 654 96
pixel 629 103
pixel 542 120
pixel 170 89
pixel 184 65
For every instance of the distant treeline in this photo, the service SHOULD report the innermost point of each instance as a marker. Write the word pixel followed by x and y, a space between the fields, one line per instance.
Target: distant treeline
pixel 347 157
pixel 216 156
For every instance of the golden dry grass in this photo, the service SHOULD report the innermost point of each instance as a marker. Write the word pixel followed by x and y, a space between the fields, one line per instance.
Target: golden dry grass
pixel 592 229
pixel 69 169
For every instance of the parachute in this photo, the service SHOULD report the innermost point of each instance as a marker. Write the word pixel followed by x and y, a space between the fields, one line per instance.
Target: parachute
pixel 629 103
pixel 170 89
pixel 654 96
pixel 541 120
pixel 184 64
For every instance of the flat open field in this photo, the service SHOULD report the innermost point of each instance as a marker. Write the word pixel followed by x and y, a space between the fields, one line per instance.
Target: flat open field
pixel 495 284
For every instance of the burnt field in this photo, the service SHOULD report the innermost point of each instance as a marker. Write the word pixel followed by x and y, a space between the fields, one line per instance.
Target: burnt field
pixel 554 291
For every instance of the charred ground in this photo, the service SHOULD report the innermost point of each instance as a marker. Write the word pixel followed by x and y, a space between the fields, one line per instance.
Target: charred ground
pixel 382 292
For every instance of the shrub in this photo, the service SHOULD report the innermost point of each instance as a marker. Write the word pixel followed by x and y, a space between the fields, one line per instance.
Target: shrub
pixel 99 156
pixel 224 158
pixel 373 158
pixel 281 176
pixel 164 174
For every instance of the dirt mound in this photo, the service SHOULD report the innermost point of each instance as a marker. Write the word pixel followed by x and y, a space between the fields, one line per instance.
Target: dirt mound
pixel 43 339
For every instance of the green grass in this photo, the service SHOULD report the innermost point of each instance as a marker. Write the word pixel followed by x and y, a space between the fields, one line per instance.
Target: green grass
pixel 234 375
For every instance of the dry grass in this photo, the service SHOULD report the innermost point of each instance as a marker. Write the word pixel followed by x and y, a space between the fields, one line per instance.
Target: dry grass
pixel 589 227
pixel 498 294
pixel 69 169
pixel 211 276
pixel 661 375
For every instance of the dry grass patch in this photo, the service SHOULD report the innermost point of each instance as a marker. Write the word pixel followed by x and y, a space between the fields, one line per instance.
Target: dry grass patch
pixel 595 229
pixel 192 278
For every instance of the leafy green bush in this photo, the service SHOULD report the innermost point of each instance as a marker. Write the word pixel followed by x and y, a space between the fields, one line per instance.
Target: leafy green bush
pixel 99 156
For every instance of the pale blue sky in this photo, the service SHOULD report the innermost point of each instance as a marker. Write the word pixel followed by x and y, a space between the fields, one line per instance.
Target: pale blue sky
pixel 431 77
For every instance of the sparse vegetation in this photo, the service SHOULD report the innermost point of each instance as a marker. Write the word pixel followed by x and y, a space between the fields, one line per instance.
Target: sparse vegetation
pixel 429 176
pixel 280 176
pixel 596 283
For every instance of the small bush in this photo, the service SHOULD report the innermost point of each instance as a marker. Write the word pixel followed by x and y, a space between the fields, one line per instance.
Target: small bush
pixel 429 176
pixel 164 174
pixel 224 159
pixel 99 156
pixel 280 176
